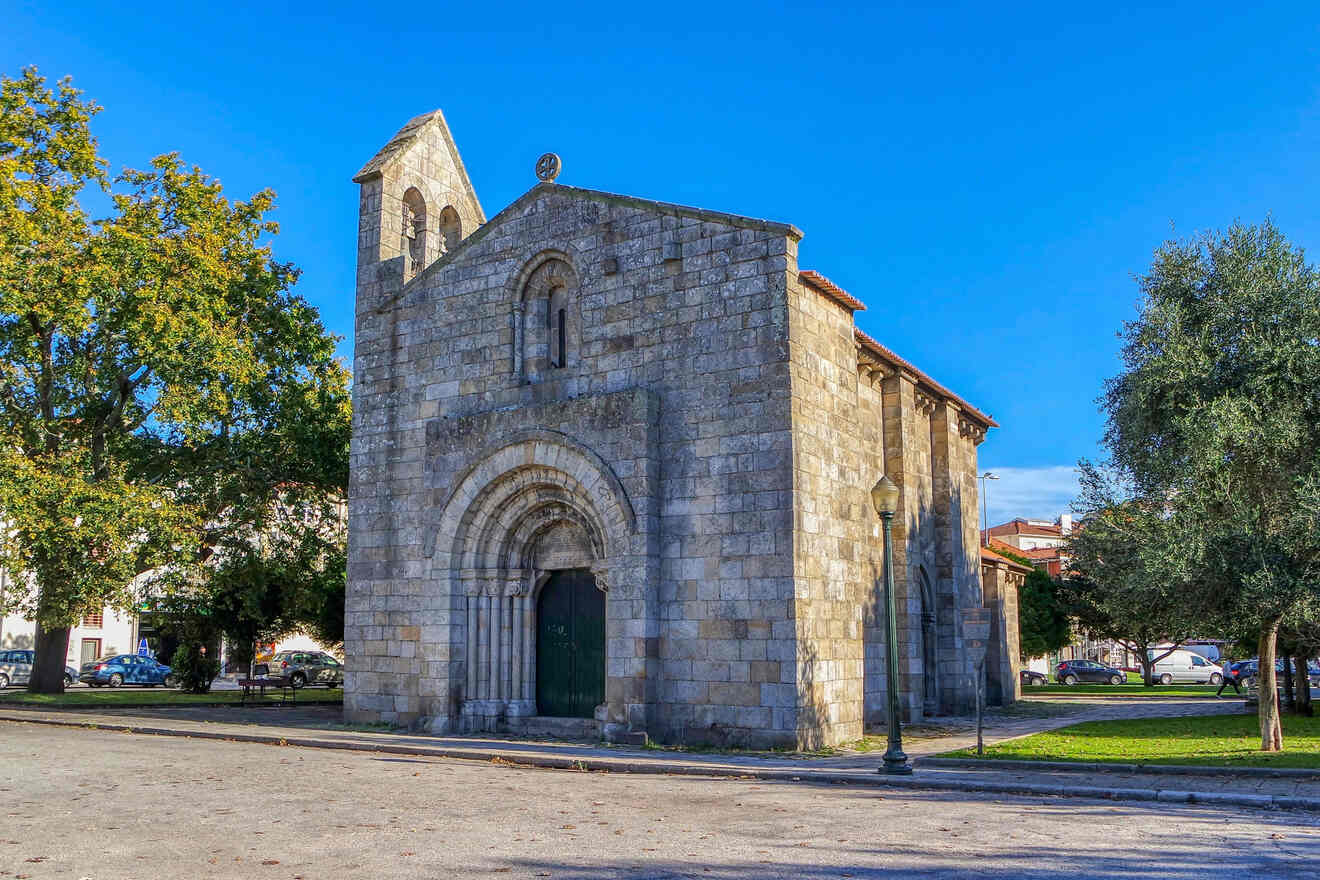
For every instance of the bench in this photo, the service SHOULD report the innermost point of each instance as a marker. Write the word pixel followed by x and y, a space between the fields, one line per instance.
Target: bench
pixel 261 680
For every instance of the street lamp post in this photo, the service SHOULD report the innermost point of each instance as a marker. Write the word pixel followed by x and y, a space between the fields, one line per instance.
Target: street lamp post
pixel 985 524
pixel 884 496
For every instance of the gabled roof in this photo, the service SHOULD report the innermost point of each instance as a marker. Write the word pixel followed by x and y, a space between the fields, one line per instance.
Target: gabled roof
pixel 1021 526
pixel 545 189
pixel 819 282
pixel 404 138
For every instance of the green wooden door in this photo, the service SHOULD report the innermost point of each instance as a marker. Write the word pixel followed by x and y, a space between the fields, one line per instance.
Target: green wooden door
pixel 570 645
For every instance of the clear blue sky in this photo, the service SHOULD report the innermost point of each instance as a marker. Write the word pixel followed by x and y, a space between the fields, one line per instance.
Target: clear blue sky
pixel 987 177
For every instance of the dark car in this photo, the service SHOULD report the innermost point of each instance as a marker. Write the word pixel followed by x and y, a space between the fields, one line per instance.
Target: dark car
pixel 1239 671
pixel 308 667
pixel 1074 671
pixel 122 669
pixel 16 668
pixel 1031 676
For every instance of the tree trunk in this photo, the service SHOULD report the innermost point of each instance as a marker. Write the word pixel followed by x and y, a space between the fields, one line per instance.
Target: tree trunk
pixel 1288 701
pixel 1271 728
pixel 52 645
pixel 1302 680
pixel 1147 665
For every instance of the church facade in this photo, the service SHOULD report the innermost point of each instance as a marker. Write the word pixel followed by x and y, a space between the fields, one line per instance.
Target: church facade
pixel 610 471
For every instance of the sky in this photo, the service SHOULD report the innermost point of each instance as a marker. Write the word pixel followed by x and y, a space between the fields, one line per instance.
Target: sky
pixel 989 178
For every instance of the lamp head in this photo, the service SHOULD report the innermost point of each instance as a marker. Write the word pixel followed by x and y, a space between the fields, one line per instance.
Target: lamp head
pixel 884 495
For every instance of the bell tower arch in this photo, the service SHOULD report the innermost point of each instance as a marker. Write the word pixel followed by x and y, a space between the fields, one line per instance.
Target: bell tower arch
pixel 415 205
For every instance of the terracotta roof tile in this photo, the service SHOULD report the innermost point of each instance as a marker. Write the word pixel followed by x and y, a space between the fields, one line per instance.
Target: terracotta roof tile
pixel 922 379
pixel 988 554
pixel 832 290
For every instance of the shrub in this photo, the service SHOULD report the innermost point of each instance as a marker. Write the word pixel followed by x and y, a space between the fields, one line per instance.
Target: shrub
pixel 194 670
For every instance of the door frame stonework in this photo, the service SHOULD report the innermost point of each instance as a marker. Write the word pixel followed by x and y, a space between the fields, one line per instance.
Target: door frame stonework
pixel 484 561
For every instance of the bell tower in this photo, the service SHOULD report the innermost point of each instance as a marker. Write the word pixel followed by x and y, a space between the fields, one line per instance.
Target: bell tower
pixel 416 204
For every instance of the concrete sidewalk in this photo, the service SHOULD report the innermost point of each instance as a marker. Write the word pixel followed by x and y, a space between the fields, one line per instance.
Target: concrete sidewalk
pixel 310 728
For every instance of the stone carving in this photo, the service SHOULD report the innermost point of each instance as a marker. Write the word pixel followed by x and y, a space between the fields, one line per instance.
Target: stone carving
pixel 971 430
pixel 548 167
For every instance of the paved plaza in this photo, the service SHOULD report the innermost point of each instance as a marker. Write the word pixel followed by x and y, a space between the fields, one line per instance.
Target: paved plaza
pixel 99 805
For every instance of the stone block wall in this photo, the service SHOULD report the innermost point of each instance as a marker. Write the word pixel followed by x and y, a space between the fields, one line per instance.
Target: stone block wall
pixel 832 518
pixel 1001 581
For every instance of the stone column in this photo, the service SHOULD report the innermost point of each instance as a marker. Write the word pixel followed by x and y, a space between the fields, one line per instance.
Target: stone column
pixel 483 650
pixel 516 655
pixel 518 338
pixel 496 605
pixel 502 655
pixel 529 652
pixel 470 693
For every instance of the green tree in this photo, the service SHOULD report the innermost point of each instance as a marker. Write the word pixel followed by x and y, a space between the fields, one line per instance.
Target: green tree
pixel 1043 622
pixel 141 355
pixel 1216 414
pixel 1124 582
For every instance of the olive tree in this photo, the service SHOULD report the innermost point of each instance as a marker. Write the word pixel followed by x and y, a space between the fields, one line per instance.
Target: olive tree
pixel 1215 414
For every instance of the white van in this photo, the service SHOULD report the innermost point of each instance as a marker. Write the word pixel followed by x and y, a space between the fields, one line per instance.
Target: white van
pixel 1185 666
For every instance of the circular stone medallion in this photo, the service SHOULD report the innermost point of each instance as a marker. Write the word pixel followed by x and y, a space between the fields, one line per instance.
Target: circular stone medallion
pixel 548 167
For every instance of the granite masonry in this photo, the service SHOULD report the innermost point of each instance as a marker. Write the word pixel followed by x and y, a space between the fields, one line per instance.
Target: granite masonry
pixel 654 401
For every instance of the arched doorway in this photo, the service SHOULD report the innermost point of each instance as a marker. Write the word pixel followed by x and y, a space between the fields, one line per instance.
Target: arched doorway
pixel 570 645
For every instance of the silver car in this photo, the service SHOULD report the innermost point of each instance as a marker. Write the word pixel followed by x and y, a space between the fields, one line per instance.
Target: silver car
pixel 308 667
pixel 16 668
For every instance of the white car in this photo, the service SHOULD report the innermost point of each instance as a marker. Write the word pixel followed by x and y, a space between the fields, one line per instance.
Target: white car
pixel 1186 666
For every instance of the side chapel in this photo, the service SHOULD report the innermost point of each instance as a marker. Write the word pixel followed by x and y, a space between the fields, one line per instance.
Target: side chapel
pixel 610 470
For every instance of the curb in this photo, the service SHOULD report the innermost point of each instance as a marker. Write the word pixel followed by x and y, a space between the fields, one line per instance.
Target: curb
pixel 624 765
pixel 220 704
pixel 1100 767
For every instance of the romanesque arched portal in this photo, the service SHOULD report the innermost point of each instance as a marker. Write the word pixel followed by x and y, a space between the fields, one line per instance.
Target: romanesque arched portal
pixel 538 504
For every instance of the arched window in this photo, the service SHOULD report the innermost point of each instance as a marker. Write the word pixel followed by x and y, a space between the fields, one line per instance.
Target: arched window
pixel 546 320
pixel 451 229
pixel 413 233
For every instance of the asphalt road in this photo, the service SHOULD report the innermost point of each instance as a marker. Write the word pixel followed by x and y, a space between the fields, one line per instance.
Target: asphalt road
pixel 110 806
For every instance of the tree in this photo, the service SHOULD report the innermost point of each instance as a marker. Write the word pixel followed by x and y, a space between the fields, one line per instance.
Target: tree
pixel 1043 623
pixel 141 356
pixel 1216 415
pixel 1122 584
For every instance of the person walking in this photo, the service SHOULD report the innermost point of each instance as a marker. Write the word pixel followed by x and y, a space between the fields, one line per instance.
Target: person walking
pixel 1230 677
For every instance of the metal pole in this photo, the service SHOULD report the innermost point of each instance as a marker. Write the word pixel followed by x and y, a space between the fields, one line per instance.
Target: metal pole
pixel 895 761
pixel 985 520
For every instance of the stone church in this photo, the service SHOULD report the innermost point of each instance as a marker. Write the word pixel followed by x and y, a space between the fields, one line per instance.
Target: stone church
pixel 610 471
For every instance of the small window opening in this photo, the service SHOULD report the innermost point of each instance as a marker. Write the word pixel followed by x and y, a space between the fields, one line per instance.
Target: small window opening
pixel 563 343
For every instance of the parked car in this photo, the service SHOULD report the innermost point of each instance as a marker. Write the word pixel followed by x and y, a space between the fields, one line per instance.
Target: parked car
pixel 122 669
pixel 1239 671
pixel 308 667
pixel 1185 666
pixel 1074 671
pixel 1248 669
pixel 1031 676
pixel 16 668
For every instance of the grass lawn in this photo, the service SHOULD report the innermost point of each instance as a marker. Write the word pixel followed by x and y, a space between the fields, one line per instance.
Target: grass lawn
pixel 1212 740
pixel 127 696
